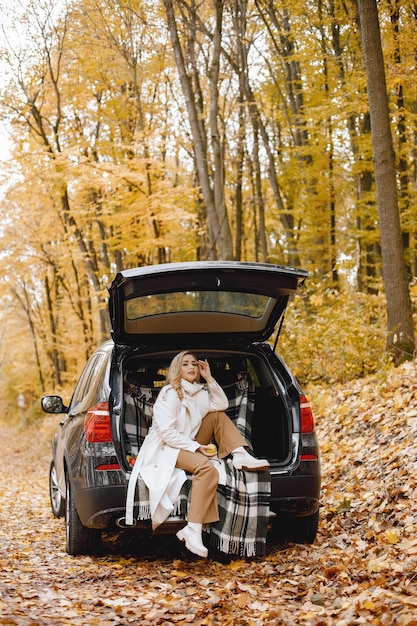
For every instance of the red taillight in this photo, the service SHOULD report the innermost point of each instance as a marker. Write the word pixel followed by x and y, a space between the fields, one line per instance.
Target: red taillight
pixel 108 467
pixel 97 426
pixel 306 414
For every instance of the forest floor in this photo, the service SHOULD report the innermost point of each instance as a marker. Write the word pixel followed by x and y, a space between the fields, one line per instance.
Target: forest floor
pixel 362 568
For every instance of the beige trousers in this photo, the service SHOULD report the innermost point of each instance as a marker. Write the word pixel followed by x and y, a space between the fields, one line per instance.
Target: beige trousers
pixel 203 507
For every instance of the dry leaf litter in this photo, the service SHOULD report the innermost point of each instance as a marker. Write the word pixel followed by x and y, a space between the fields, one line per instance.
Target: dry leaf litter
pixel 362 569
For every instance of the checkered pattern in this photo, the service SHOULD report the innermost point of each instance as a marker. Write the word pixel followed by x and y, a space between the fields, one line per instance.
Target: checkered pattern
pixel 138 413
pixel 244 498
pixel 244 513
pixel 241 396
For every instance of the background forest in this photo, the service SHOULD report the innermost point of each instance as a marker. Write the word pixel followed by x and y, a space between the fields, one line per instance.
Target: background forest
pixel 145 131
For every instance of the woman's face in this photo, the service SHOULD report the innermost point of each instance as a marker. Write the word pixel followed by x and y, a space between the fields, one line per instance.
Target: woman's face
pixel 189 368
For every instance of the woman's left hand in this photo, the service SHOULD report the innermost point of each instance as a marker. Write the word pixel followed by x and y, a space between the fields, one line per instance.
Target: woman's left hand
pixel 205 371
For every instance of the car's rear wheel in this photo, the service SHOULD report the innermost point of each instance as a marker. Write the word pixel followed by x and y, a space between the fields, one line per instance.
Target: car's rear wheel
pixel 297 529
pixel 55 496
pixel 303 529
pixel 78 538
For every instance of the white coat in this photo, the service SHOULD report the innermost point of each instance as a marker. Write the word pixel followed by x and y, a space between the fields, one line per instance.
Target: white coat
pixel 174 427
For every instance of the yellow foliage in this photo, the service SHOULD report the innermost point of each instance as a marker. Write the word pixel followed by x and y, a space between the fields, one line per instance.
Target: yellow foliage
pixel 104 171
pixel 334 337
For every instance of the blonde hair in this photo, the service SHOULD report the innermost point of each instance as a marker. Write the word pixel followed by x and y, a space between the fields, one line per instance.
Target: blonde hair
pixel 174 372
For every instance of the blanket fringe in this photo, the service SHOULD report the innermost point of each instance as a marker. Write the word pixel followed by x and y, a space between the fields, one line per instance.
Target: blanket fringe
pixel 141 511
pixel 181 505
pixel 246 548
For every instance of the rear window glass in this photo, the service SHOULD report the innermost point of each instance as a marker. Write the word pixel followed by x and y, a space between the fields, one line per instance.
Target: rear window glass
pixel 234 303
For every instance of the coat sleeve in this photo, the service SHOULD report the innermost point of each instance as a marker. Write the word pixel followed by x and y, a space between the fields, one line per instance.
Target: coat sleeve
pixel 165 414
pixel 218 399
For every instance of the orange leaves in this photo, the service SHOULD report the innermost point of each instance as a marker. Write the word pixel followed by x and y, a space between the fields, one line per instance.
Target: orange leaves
pixel 369 494
pixel 332 572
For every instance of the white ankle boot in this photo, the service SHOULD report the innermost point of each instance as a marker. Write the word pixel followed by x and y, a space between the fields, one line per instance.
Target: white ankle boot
pixel 243 460
pixel 191 535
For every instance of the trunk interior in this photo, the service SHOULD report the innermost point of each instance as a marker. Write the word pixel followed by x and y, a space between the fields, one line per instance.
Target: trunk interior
pixel 255 402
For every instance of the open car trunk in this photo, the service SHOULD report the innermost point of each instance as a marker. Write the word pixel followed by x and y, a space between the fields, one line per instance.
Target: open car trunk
pixel 255 402
pixel 222 302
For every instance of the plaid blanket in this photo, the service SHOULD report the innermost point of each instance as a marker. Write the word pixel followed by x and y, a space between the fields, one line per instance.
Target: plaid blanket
pixel 243 498
pixel 241 396
pixel 138 412
pixel 243 511
pixel 137 508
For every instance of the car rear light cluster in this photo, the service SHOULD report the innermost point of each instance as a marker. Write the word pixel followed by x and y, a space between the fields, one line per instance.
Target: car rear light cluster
pixel 306 415
pixel 108 467
pixel 307 424
pixel 97 425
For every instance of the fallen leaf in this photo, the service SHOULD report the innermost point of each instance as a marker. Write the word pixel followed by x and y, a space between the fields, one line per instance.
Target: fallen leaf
pixel 317 598
pixel 391 536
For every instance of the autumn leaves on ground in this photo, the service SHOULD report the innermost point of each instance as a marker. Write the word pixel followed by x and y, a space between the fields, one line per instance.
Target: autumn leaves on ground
pixel 362 569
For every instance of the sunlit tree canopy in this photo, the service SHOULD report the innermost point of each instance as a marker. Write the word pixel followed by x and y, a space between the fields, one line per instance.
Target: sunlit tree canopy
pixel 144 132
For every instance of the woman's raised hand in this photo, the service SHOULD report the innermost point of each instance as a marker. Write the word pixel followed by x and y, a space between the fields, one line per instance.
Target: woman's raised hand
pixel 205 371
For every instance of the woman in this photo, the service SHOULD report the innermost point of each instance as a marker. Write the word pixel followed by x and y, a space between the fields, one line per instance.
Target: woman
pixel 186 418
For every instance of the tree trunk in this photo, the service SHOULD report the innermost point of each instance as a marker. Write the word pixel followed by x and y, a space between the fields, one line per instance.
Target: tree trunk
pixel 24 300
pixel 219 229
pixel 400 340
pixel 240 158
pixel 403 166
pixel 217 141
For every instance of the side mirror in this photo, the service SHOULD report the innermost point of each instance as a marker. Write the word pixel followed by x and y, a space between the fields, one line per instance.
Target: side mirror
pixel 53 404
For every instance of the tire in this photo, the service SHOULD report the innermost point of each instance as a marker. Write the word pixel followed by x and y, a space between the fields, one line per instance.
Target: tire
pixel 55 496
pixel 78 538
pixel 303 529
pixel 296 529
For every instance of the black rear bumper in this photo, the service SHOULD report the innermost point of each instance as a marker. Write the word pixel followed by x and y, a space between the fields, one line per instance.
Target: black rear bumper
pixel 299 493
pixel 101 507
pixel 296 495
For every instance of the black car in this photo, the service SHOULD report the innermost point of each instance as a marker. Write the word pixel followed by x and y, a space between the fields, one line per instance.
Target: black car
pixel 222 311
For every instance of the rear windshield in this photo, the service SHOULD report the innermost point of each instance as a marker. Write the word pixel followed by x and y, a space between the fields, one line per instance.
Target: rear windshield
pixel 235 303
